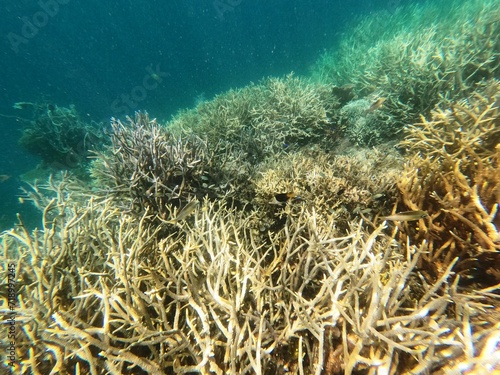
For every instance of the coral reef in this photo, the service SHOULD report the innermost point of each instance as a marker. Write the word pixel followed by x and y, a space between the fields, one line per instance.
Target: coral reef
pixel 102 293
pixel 248 236
pixel 360 183
pixel 418 57
pixel 454 175
pixel 273 116
pixel 58 135
pixel 113 283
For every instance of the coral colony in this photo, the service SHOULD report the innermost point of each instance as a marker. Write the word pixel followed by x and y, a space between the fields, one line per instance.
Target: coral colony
pixel 344 224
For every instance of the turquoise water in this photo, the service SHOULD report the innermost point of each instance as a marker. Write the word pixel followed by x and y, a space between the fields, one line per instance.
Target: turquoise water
pixel 98 56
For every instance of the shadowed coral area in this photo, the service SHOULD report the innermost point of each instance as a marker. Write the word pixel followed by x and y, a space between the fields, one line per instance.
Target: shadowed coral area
pixel 147 169
pixel 58 135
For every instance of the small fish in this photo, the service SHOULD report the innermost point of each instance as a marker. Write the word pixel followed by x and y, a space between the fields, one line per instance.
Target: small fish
pixel 281 198
pixel 185 212
pixel 4 177
pixel 376 104
pixel 23 105
pixel 156 77
pixel 407 216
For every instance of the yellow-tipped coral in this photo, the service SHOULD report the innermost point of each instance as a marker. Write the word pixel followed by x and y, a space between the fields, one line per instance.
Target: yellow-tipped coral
pixel 454 175
pixel 102 292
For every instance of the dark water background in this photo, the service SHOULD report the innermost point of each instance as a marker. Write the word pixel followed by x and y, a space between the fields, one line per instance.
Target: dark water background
pixel 96 54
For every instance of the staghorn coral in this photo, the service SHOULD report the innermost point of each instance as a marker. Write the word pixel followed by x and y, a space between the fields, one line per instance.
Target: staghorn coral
pixel 69 255
pixel 419 56
pixel 454 175
pixel 147 169
pixel 364 127
pixel 345 186
pixel 261 120
pixel 101 292
pixel 108 285
pixel 58 135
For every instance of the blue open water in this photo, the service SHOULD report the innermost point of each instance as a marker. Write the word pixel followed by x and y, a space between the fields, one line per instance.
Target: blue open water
pixel 96 54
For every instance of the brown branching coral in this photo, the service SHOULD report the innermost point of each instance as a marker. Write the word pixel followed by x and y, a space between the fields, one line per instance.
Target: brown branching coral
pixel 147 169
pixel 345 186
pixel 455 176
pixel 101 292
